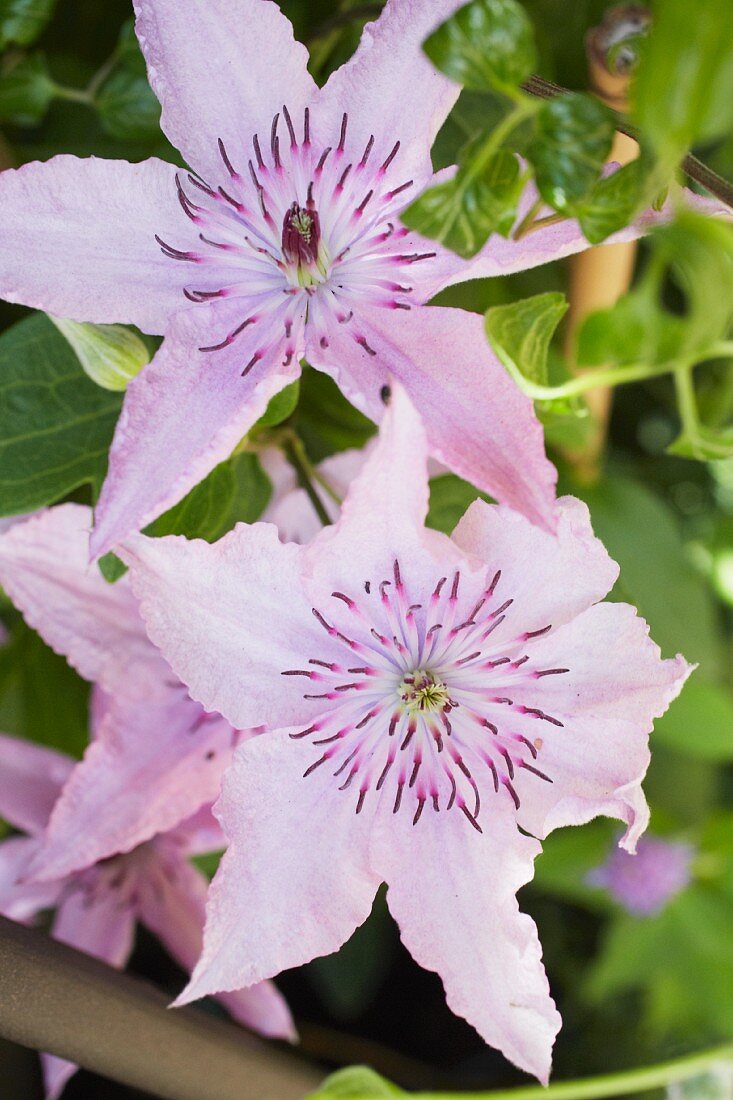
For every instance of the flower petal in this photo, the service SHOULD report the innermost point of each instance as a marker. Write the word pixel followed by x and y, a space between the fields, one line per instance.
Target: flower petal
pixel 174 909
pixel 294 882
pixel 31 778
pixel 393 485
pixel 79 240
pixel 97 924
pixel 56 1074
pixel 184 414
pixel 616 686
pixel 217 614
pixel 95 625
pixel 290 507
pixel 389 87
pixel 550 578
pixel 150 767
pixel 452 892
pixel 21 900
pixel 221 69
pixel 478 422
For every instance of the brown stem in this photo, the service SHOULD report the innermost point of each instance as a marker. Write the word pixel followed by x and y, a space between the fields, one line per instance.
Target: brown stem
pixel 691 166
pixel 56 999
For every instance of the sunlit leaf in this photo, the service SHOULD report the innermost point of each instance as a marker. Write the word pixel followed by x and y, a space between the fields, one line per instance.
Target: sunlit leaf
pixel 488 44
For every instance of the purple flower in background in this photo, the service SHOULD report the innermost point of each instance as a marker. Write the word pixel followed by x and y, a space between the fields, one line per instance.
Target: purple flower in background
pixel 643 883
pixel 97 908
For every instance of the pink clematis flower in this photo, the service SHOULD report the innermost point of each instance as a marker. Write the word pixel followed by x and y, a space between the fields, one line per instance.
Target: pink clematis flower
pixel 283 241
pixel 97 908
pixel 156 756
pixel 432 701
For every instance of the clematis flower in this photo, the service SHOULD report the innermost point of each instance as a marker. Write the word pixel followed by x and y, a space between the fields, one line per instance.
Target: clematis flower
pixel 643 883
pixel 432 701
pixel 155 756
pixel 283 241
pixel 97 909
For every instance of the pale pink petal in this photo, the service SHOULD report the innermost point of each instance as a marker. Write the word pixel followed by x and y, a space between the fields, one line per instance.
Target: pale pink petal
pixel 221 69
pixel 96 922
pixel 79 240
pixel 617 684
pixel 21 900
pixel 452 892
pixel 201 833
pixel 56 1074
pixel 149 768
pixel 478 422
pixel 217 613
pixel 549 578
pixel 392 485
pixel 294 883
pixel 44 570
pixel 173 906
pixel 31 778
pixel 504 256
pixel 290 507
pixel 390 89
pixel 185 413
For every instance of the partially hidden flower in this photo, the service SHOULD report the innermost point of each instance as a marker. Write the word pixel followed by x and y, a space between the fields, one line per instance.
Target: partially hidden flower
pixel 645 881
pixel 432 702
pixel 98 908
pixel 155 755
pixel 283 241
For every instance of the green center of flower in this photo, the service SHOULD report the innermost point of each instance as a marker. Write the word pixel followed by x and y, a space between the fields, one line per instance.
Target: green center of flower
pixel 422 692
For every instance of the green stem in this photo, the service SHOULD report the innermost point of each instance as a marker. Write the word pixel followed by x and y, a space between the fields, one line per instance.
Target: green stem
pixel 611 1084
pixel 618 376
pixel 524 109
pixel 102 73
pixel 74 95
pixel 296 453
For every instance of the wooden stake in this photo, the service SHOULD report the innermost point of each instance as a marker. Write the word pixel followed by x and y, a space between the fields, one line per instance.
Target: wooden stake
pixel 599 276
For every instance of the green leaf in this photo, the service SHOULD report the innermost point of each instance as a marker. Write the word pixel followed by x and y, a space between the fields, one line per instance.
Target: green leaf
pixel 348 981
pixel 520 333
pixel 26 91
pixel 571 146
pixel 236 491
pixel 567 858
pixel 612 202
pixel 356 1083
pixel 697 252
pixel 703 444
pixel 21 21
pixel 281 406
pixel 127 107
pixel 699 722
pixel 325 420
pixel 642 534
pixel 111 567
pixel 683 91
pixel 56 425
pixel 111 355
pixel 488 44
pixel 450 496
pixel 463 212
pixel 41 697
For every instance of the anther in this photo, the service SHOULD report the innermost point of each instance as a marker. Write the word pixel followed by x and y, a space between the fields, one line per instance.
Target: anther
pixel 367 151
pixel 227 162
pixel 342 138
pixel 391 157
pixel 291 128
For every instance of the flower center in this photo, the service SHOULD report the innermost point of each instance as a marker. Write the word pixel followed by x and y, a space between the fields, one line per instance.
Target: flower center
pixel 300 235
pixel 436 697
pixel 423 692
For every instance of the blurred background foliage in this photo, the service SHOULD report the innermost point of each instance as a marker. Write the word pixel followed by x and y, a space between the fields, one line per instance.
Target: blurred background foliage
pixel 631 989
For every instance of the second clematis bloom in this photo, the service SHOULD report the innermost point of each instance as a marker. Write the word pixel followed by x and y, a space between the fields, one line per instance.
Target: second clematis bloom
pixel 98 908
pixel 155 755
pixel 284 241
pixel 432 701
